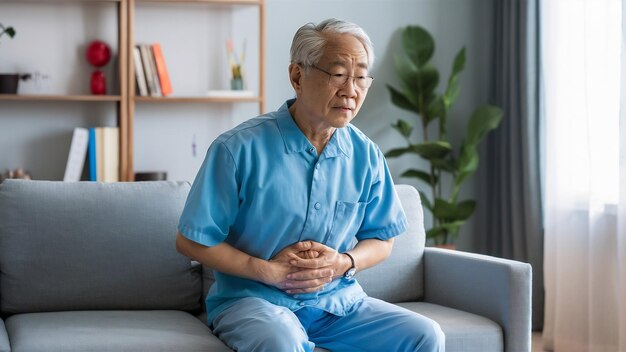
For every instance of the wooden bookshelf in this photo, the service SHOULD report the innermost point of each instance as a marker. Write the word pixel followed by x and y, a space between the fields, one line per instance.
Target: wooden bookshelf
pixel 126 100
pixel 84 98
pixel 120 100
pixel 198 99
pixel 133 99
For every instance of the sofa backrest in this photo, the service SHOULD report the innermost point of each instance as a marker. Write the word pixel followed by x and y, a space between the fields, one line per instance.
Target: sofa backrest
pixel 92 246
pixel 400 278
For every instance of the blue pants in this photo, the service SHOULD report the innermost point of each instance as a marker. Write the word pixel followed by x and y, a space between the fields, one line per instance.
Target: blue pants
pixel 253 324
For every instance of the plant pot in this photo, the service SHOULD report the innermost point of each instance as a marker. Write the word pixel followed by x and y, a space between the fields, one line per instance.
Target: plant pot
pixel 236 84
pixel 9 82
pixel 451 246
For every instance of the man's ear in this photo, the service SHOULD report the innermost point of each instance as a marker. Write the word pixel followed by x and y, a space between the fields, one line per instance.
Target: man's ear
pixel 295 77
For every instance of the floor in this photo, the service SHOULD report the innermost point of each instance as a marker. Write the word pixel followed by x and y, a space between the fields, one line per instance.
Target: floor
pixel 537 342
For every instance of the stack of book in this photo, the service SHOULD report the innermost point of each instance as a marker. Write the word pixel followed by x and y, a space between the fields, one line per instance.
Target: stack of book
pixel 150 71
pixel 100 147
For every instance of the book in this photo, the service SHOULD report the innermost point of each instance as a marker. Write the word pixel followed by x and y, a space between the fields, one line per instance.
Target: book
pixel 153 71
pixel 142 87
pixel 93 171
pixel 104 154
pixel 164 77
pixel 155 74
pixel 110 154
pixel 99 154
pixel 147 68
pixel 77 155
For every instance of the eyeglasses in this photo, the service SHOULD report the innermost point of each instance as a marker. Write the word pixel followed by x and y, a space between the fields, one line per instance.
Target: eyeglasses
pixel 339 80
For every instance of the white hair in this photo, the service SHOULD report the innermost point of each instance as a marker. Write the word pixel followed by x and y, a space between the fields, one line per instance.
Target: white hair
pixel 309 41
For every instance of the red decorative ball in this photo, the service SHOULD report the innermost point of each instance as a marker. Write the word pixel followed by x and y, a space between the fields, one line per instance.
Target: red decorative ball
pixel 98 83
pixel 98 53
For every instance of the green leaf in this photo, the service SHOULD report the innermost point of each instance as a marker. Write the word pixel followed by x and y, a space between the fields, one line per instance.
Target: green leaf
pixel 403 127
pixel 398 99
pixel 418 84
pixel 435 108
pixel 436 232
pixel 426 82
pixel 10 31
pixel 427 79
pixel 465 209
pixel 484 119
pixel 444 210
pixel 452 93
pixel 452 90
pixel 445 164
pixel 453 227
pixel 418 44
pixel 432 150
pixel 419 174
pixel 397 152
pixel 407 72
pixel 467 163
pixel 425 201
pixel 450 214
pixel 459 62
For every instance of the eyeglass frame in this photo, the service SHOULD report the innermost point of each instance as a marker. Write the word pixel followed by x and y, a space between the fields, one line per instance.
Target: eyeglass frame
pixel 331 75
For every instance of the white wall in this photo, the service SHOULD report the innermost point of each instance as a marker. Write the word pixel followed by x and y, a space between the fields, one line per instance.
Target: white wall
pixel 37 135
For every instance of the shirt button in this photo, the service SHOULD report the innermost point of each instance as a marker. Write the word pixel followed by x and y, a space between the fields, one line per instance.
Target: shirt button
pixel 318 206
pixel 312 150
pixel 301 304
pixel 317 166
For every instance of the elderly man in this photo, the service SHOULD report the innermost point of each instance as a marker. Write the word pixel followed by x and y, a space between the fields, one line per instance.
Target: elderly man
pixel 289 205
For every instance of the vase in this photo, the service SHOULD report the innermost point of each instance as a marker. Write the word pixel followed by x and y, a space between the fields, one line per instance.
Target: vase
pixel 236 84
pixel 8 83
pixel 98 83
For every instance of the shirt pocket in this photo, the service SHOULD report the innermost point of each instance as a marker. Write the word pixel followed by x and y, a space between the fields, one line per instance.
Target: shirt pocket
pixel 346 223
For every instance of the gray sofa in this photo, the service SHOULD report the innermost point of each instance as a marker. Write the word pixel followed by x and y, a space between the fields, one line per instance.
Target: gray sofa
pixel 93 267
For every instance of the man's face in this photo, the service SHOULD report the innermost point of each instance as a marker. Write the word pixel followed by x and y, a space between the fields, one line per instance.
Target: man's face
pixel 324 103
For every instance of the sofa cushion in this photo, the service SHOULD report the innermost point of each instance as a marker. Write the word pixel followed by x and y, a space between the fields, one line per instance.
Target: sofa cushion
pixel 91 246
pixel 110 331
pixel 400 277
pixel 465 332
pixel 5 346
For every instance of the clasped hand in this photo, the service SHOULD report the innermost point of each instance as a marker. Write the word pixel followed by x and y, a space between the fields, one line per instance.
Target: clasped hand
pixel 304 267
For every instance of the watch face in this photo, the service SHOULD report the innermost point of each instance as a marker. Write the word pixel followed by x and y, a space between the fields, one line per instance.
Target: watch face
pixel 350 273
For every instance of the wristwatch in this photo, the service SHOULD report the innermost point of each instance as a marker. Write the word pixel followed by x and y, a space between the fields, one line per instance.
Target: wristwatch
pixel 350 272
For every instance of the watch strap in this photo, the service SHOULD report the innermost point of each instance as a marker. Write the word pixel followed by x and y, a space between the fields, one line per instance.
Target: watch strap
pixel 353 266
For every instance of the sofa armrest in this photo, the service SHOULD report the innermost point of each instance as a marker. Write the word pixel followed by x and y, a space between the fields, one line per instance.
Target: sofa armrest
pixel 499 289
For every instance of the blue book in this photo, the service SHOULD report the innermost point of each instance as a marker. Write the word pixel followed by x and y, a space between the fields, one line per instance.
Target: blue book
pixel 93 174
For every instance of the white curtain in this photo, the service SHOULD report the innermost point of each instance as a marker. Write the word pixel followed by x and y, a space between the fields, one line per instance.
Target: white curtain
pixel 585 175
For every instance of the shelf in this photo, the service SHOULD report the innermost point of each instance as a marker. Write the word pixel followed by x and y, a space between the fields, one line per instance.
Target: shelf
pixel 198 99
pixel 61 1
pixel 228 2
pixel 29 97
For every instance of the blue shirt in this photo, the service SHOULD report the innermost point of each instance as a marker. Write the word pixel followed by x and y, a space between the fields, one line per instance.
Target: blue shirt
pixel 262 187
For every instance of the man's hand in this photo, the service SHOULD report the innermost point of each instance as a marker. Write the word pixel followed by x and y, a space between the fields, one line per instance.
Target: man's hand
pixel 323 267
pixel 300 268
pixel 281 268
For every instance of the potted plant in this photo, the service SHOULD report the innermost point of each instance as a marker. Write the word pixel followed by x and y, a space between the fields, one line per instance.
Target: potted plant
pixel 446 164
pixel 8 82
pixel 10 31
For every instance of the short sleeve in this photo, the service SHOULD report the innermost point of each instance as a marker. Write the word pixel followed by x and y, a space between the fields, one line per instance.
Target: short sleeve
pixel 213 203
pixel 384 217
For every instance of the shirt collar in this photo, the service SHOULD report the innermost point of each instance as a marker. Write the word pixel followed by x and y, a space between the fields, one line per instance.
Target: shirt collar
pixel 295 141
